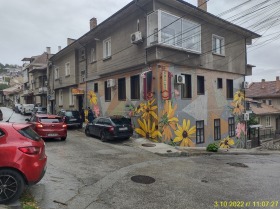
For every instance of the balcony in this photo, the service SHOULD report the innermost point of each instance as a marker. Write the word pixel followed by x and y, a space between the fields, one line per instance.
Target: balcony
pixel 43 90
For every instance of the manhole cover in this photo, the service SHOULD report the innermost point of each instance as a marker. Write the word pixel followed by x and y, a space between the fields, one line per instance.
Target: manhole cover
pixel 143 179
pixel 238 165
pixel 148 145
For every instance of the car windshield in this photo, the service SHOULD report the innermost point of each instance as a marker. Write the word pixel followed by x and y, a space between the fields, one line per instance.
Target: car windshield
pixel 42 109
pixel 29 133
pixel 120 121
pixel 50 120
pixel 72 113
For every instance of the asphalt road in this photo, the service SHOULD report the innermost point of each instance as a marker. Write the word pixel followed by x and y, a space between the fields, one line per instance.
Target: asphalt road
pixel 85 173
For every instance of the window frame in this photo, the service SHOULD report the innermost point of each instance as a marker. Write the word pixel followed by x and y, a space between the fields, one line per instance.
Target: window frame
pixel 218 50
pixel 267 121
pixel 108 92
pixel 229 88
pixel 200 132
pixel 135 87
pixel 122 89
pixel 71 98
pixel 219 83
pixel 56 73
pixel 231 127
pixel 92 55
pixel 217 129
pixel 95 87
pixel 200 85
pixel 186 88
pixel 60 97
pixel 67 69
pixel 107 52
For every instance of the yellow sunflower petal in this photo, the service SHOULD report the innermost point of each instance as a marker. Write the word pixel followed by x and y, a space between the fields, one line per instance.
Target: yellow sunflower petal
pixel 178 139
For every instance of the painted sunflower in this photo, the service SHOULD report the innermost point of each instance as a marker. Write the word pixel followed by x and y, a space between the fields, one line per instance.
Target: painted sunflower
pixel 149 109
pixel 238 108
pixel 168 121
pixel 239 96
pixel 226 142
pixel 184 133
pixel 92 97
pixel 146 131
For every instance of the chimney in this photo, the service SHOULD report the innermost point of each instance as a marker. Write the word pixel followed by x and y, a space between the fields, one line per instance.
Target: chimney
pixel 58 48
pixel 48 49
pixel 202 4
pixel 93 23
pixel 277 84
pixel 70 41
pixel 263 83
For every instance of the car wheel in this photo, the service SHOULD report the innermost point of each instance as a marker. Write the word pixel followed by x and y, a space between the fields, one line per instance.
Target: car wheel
pixel 87 133
pixel 11 185
pixel 63 138
pixel 102 137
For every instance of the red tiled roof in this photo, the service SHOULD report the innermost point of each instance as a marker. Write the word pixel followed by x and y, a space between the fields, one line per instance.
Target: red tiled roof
pixel 263 89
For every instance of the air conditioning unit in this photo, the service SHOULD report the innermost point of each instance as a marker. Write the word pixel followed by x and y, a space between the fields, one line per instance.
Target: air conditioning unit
pixel 246 116
pixel 180 79
pixel 245 85
pixel 110 83
pixel 136 37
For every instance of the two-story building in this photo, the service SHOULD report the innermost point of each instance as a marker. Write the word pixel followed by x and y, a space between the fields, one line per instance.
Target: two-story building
pixel 170 65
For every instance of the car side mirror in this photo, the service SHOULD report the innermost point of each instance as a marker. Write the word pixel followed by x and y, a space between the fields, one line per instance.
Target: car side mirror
pixel 27 119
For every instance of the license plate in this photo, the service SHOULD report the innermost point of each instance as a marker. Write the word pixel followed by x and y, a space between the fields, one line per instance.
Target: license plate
pixel 52 134
pixel 123 129
pixel 73 119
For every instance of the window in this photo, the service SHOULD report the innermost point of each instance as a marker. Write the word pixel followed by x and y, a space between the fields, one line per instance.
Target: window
pixel 60 97
pixel 92 55
pixel 107 48
pixel 229 89
pixel 200 84
pixel 231 127
pixel 121 89
pixel 135 87
pixel 200 132
pixel 218 45
pixel 71 97
pixel 95 88
pixel 82 54
pixel 217 129
pixel 187 87
pixel 107 92
pixel 56 73
pixel 267 121
pixel 269 102
pixel 67 69
pixel 219 83
pixel 168 29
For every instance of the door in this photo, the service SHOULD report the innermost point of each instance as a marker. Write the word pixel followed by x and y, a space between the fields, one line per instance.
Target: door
pixel 80 102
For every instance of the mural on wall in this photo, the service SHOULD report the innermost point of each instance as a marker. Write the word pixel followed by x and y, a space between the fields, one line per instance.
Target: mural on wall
pixel 93 101
pixel 237 109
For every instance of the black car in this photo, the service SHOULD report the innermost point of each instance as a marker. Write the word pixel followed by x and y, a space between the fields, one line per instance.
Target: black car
pixel 71 118
pixel 1 115
pixel 108 128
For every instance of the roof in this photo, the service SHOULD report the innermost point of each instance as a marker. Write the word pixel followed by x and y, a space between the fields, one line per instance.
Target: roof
pixel 198 12
pixel 263 109
pixel 12 90
pixel 265 89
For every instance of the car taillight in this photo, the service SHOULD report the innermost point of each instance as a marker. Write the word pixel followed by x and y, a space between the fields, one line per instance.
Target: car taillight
pixel 30 150
pixel 39 125
pixel 64 126
pixel 111 129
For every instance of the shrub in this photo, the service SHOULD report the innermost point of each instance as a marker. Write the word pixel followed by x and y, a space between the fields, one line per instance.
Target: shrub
pixel 213 147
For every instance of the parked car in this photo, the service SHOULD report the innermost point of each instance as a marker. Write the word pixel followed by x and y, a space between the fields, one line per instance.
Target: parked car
pixel 39 110
pixel 22 159
pixel 108 128
pixel 27 109
pixel 48 126
pixel 17 108
pixel 71 118
pixel 1 115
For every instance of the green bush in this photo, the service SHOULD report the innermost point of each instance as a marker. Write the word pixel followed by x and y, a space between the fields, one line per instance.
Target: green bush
pixel 212 147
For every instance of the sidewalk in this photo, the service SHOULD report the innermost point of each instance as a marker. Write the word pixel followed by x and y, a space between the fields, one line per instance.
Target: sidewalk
pixel 166 150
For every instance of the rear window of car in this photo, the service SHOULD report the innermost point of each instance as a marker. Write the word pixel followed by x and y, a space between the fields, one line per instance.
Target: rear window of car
pixel 72 113
pixel 120 121
pixel 29 133
pixel 50 120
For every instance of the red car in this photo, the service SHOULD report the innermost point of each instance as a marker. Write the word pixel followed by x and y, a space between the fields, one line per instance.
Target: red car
pixel 48 126
pixel 22 159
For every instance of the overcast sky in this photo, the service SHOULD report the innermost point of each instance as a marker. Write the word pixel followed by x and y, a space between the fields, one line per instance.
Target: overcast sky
pixel 27 27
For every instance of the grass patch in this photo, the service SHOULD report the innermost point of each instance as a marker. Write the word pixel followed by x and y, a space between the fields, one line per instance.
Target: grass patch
pixel 28 201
